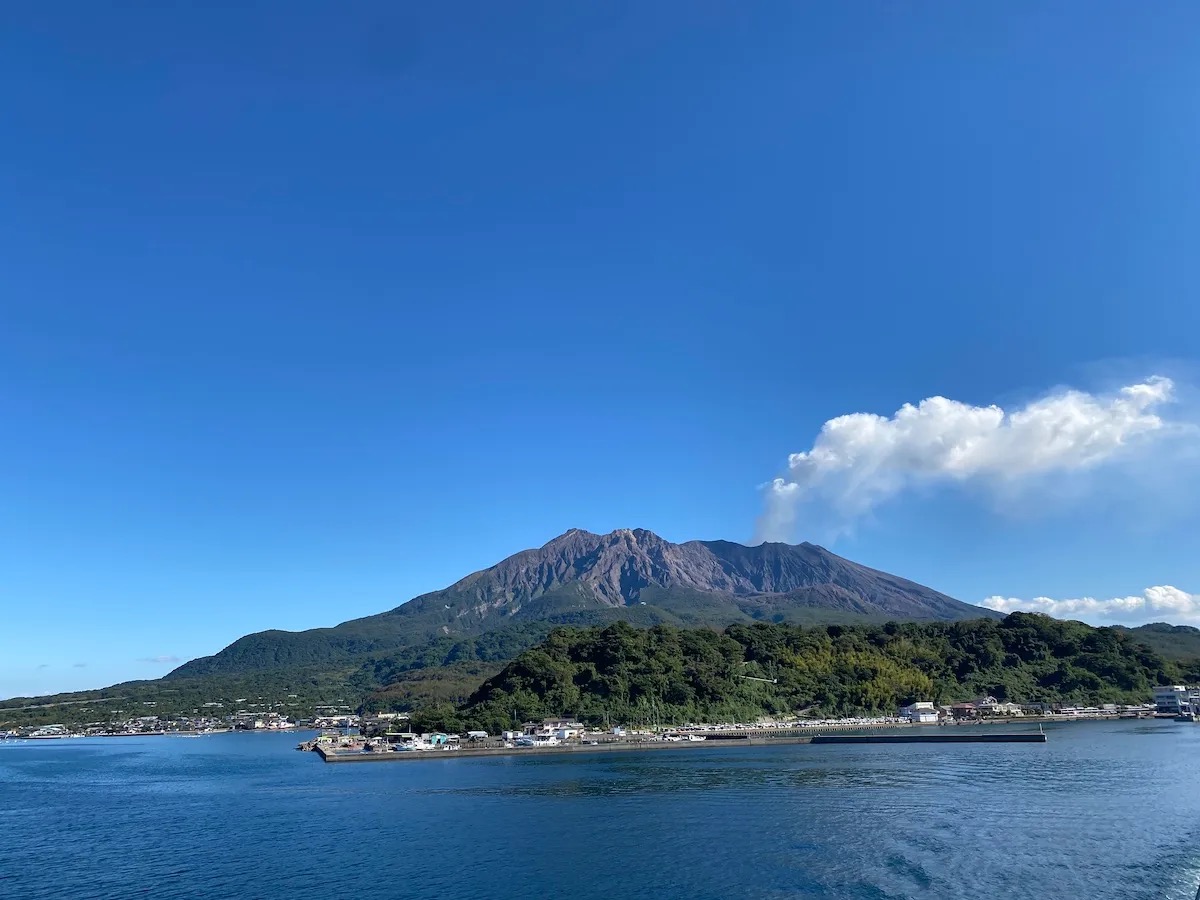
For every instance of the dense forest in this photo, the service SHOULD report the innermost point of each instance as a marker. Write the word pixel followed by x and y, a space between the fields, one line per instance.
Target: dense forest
pixel 622 674
pixel 618 673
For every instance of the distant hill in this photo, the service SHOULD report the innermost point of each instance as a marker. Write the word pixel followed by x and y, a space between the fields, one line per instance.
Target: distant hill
pixel 580 578
pixel 1178 642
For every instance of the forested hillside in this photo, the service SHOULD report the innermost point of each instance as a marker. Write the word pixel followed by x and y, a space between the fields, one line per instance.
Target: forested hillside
pixel 1180 642
pixel 622 674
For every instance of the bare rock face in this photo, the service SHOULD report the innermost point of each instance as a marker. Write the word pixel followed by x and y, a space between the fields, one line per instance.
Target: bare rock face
pixel 616 569
pixel 613 567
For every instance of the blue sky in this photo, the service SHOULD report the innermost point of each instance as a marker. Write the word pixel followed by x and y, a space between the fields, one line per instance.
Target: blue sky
pixel 309 309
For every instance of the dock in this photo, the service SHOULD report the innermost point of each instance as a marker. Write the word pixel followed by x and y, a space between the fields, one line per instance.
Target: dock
pixel 340 755
pixel 736 739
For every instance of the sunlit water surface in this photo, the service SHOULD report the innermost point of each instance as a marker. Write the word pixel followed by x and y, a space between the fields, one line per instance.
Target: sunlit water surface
pixel 1103 810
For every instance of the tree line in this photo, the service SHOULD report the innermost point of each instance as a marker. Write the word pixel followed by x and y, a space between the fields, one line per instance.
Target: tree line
pixel 620 674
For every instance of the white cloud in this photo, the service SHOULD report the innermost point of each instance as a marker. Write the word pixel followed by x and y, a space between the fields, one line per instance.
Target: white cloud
pixel 159 660
pixel 861 459
pixel 1155 604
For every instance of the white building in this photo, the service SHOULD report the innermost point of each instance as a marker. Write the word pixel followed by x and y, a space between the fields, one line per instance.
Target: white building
pixel 920 713
pixel 563 729
pixel 1170 699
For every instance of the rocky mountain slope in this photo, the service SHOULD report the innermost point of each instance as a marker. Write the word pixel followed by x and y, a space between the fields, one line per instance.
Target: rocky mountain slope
pixel 634 575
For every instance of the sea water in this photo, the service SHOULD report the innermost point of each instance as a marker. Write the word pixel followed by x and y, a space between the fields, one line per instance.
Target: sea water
pixel 1102 810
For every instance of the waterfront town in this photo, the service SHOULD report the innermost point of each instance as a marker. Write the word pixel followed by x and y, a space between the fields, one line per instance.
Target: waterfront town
pixel 386 732
pixel 260 717
pixel 343 730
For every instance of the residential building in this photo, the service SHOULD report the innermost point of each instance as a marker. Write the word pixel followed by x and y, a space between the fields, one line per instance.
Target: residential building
pixel 994 707
pixel 964 710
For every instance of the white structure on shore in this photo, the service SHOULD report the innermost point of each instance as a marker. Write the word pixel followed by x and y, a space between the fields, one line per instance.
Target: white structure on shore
pixel 920 713
pixel 562 729
pixel 1174 699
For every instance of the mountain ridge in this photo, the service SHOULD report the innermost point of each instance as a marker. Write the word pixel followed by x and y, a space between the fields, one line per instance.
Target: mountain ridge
pixel 580 577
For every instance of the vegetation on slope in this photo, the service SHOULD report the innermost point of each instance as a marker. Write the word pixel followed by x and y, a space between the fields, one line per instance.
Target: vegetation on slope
pixel 409 642
pixel 588 579
pixel 1178 642
pixel 296 691
pixel 620 674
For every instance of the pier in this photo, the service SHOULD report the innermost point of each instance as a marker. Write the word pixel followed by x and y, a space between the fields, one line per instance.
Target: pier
pixel 740 738
pixel 335 755
pixel 978 737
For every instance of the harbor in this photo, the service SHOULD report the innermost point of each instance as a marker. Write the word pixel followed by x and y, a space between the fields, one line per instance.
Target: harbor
pixel 380 738
pixel 334 748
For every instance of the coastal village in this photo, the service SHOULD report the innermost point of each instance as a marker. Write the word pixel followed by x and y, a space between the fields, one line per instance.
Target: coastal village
pixel 342 731
pixel 387 736
pixel 388 733
pixel 258 717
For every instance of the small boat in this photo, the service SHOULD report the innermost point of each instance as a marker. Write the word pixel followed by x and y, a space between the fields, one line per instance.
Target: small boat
pixel 1186 717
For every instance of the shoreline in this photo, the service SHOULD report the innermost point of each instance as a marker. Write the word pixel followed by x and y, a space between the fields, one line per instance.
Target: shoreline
pixel 332 756
pixel 736 737
pixel 957 733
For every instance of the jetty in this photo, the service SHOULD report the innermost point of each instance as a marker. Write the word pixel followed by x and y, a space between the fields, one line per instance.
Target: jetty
pixel 335 754
pixel 341 755
pixel 977 737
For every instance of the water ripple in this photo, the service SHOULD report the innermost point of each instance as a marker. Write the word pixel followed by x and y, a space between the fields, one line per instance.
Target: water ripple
pixel 1102 812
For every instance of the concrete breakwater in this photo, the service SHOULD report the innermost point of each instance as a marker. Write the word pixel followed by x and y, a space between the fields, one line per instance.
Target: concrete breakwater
pixel 739 739
pixel 978 737
pixel 717 738
pixel 335 755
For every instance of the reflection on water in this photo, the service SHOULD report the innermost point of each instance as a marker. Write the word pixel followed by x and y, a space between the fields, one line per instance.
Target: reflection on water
pixel 1103 810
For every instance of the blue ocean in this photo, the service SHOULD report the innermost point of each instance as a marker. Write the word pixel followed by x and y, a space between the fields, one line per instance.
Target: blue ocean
pixel 1103 811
